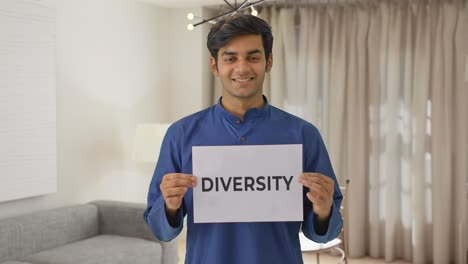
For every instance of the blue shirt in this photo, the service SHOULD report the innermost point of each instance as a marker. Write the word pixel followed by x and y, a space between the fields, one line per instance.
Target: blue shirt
pixel 239 243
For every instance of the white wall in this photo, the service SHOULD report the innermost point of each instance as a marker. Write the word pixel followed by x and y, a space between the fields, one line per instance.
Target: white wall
pixel 190 74
pixel 28 151
pixel 112 73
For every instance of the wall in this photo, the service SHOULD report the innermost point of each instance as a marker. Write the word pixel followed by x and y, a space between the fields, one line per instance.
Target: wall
pixel 27 77
pixel 112 73
pixel 190 74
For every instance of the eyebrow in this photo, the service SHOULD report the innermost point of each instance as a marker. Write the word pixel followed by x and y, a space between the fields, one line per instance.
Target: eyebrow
pixel 229 53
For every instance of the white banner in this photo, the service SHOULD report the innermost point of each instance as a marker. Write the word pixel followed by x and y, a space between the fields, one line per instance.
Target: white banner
pixel 247 183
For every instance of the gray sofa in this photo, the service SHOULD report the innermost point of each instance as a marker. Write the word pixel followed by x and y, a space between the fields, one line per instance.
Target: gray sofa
pixel 98 232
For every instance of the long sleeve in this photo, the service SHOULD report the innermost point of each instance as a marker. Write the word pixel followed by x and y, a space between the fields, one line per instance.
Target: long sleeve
pixel 155 214
pixel 317 160
pixel 241 242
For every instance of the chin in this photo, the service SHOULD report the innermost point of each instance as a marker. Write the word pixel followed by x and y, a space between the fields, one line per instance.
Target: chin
pixel 246 95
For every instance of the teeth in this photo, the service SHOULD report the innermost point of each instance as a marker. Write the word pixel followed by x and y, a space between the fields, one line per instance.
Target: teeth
pixel 243 80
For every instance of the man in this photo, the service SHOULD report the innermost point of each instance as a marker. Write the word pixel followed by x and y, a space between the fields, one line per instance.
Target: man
pixel 241 56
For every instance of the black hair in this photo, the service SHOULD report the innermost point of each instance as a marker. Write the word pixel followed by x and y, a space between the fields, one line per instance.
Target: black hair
pixel 226 29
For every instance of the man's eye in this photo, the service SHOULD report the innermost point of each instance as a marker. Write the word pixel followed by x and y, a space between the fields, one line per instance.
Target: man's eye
pixel 229 59
pixel 254 58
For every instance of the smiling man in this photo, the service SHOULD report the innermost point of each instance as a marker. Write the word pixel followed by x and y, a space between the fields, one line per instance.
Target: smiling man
pixel 241 69
pixel 241 47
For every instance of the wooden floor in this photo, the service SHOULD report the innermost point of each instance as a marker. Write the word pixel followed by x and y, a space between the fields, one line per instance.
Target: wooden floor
pixel 309 258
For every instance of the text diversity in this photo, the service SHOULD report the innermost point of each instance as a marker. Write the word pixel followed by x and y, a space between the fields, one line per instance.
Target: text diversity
pixel 246 183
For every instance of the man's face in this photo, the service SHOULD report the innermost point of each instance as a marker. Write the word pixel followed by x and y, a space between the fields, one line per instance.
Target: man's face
pixel 241 67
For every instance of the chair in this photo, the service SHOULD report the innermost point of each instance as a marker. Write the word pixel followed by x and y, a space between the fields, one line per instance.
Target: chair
pixel 339 244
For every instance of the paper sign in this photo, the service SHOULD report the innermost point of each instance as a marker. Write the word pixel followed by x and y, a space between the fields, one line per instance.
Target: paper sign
pixel 247 183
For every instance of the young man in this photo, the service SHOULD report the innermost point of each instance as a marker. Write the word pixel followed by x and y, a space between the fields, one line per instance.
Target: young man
pixel 241 56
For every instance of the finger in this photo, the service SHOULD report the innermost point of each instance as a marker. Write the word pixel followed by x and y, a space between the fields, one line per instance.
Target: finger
pixel 177 183
pixel 315 198
pixel 314 187
pixel 171 176
pixel 178 191
pixel 319 199
pixel 317 185
pixel 173 179
pixel 180 176
pixel 328 187
pixel 328 184
pixel 312 197
pixel 318 177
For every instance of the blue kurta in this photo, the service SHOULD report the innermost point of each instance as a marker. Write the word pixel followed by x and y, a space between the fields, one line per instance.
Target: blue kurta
pixel 239 243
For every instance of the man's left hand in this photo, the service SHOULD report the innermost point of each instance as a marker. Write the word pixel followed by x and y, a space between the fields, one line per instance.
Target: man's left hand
pixel 321 189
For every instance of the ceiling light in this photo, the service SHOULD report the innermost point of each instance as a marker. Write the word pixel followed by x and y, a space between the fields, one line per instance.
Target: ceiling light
pixel 234 9
pixel 254 12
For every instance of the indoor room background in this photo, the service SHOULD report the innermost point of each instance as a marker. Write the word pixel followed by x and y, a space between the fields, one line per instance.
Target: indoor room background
pixel 120 63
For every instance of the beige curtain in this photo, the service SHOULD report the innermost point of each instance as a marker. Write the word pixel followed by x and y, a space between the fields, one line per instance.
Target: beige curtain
pixel 384 83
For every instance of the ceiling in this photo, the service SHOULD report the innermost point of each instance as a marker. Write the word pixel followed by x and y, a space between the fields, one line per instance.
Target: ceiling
pixel 188 3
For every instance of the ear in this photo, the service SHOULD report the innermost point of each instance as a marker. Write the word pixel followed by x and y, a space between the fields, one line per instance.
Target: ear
pixel 214 67
pixel 269 63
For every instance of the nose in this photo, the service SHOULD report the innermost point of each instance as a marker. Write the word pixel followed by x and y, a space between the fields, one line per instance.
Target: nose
pixel 242 67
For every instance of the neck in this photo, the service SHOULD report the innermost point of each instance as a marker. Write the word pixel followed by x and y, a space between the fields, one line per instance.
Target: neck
pixel 238 107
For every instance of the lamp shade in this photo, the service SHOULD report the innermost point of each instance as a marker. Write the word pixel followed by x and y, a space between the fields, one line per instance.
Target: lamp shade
pixel 148 140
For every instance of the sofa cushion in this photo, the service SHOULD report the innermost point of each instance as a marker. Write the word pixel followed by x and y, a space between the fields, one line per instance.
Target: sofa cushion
pixel 100 250
pixel 27 234
pixel 123 219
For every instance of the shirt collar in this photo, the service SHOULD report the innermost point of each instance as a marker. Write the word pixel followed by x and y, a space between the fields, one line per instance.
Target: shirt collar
pixel 252 113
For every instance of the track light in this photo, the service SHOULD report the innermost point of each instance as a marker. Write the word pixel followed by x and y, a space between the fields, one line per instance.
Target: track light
pixel 254 11
pixel 246 4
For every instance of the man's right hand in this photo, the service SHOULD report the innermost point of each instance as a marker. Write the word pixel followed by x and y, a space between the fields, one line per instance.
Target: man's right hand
pixel 173 188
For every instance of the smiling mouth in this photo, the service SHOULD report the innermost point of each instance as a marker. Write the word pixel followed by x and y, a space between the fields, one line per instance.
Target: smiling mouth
pixel 242 80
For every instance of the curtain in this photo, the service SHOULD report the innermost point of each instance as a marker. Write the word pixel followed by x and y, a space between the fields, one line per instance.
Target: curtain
pixel 384 83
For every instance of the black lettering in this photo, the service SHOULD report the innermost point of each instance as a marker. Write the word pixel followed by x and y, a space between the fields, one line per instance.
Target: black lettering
pixel 204 188
pixel 226 184
pixel 260 181
pixel 288 183
pixel 277 178
pixel 249 183
pixel 237 182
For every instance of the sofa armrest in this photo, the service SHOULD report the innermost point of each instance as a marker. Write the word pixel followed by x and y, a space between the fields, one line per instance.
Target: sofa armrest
pixel 126 219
